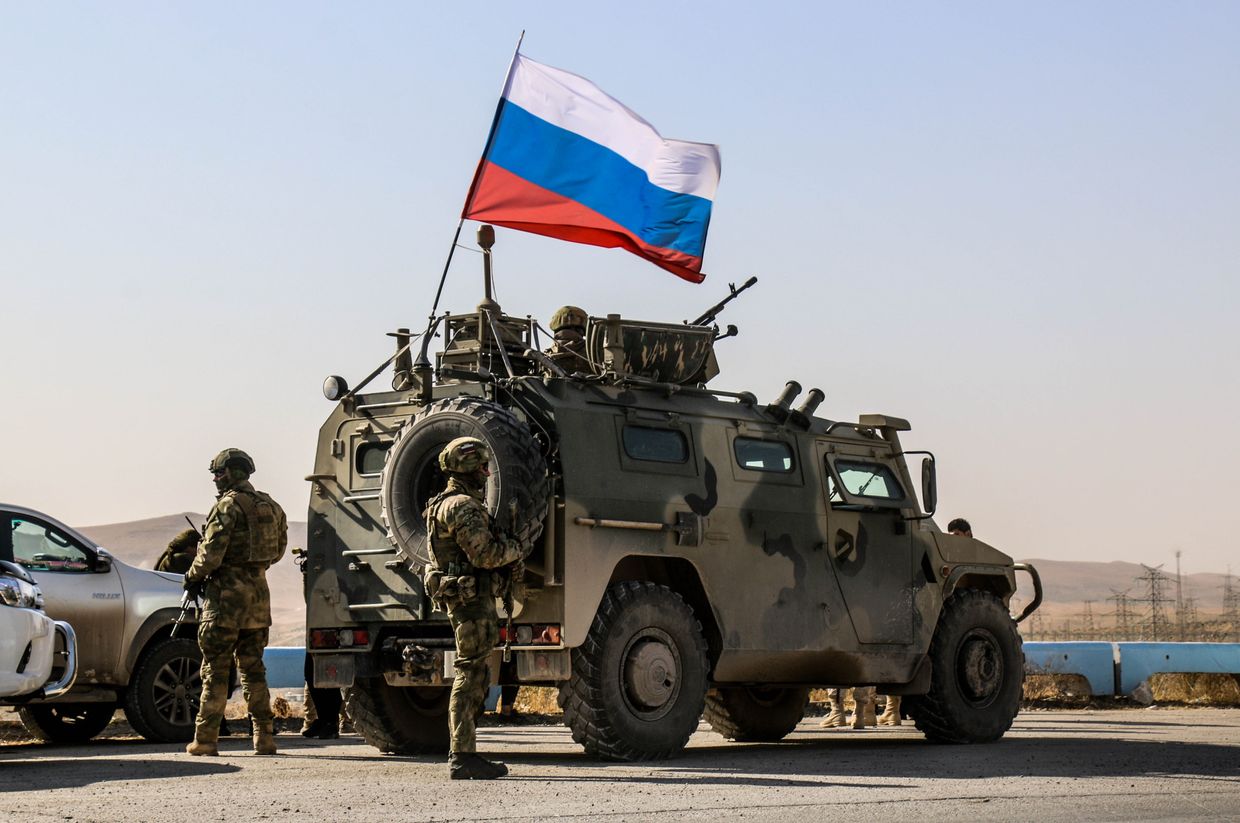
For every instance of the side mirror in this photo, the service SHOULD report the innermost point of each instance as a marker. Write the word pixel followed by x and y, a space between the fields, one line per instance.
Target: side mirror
pixel 929 485
pixel 103 563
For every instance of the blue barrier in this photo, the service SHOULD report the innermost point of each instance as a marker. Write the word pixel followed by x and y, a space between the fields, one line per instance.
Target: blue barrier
pixel 285 666
pixel 1110 668
pixel 1140 661
pixel 1119 668
pixel 1096 662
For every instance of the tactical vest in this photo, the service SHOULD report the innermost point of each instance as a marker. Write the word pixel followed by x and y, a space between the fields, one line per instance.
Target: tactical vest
pixel 259 541
pixel 445 555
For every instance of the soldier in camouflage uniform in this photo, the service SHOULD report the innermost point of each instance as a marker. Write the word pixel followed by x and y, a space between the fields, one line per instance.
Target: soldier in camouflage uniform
pixel 180 553
pixel 470 565
pixel 568 324
pixel 246 532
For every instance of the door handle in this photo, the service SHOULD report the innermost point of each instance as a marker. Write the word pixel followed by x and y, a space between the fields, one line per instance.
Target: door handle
pixel 845 545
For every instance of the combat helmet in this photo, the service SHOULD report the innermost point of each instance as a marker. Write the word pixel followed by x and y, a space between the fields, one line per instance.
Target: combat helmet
pixel 568 317
pixel 232 459
pixel 464 455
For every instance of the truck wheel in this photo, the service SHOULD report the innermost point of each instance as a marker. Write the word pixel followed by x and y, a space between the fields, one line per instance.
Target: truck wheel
pixel 400 719
pixel 516 492
pixel 161 702
pixel 66 722
pixel 755 714
pixel 639 679
pixel 977 672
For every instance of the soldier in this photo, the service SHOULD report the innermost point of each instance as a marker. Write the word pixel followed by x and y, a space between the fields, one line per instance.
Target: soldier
pixel 180 553
pixel 568 324
pixel 469 567
pixel 960 527
pixel 177 559
pixel 246 532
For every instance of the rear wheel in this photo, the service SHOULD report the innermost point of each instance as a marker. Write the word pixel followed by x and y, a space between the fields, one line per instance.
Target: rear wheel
pixel 67 722
pixel 400 719
pixel 161 702
pixel 977 672
pixel 639 679
pixel 757 713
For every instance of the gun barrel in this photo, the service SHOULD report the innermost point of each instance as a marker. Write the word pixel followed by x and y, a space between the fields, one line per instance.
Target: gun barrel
pixel 710 314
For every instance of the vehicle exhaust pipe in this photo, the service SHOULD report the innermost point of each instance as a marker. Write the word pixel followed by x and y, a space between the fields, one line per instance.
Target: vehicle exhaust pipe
pixel 779 409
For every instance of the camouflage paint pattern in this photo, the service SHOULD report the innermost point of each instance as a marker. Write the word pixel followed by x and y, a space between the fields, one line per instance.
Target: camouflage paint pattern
pixel 662 352
pixel 246 531
pixel 219 645
pixel 475 626
pixel 462 531
pixel 236 593
pixel 463 544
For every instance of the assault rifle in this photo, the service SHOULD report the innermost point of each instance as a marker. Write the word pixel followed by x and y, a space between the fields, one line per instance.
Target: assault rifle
pixel 188 601
pixel 708 317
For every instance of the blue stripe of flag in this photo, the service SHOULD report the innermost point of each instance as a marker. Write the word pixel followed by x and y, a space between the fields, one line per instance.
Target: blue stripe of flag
pixel 597 177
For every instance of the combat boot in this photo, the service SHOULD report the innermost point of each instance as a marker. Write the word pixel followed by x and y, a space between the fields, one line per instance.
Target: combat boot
pixel 835 718
pixel 871 715
pixel 205 742
pixel 863 710
pixel 891 714
pixel 471 766
pixel 264 737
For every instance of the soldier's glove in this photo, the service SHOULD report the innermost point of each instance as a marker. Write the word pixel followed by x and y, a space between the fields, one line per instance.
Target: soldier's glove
pixel 527 536
pixel 194 587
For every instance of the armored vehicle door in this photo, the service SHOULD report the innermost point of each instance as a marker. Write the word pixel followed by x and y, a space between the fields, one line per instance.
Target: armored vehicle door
pixel 867 540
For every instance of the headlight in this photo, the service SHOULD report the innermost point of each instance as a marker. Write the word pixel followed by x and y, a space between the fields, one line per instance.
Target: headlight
pixel 14 592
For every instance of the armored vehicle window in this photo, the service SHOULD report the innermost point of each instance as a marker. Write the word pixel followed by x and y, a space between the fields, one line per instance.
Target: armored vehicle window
pixel 658 445
pixel 763 455
pixel 867 480
pixel 369 457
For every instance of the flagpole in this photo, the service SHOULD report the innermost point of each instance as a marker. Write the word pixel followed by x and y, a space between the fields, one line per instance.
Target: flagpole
pixel 473 185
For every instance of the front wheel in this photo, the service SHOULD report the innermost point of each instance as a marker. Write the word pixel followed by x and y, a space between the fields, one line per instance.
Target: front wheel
pixel 400 719
pixel 161 702
pixel 66 722
pixel 639 679
pixel 977 672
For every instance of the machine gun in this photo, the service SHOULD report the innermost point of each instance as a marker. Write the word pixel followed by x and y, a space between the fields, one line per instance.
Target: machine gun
pixel 707 317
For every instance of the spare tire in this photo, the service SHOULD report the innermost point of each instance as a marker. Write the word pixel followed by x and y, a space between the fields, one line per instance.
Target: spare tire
pixel 516 491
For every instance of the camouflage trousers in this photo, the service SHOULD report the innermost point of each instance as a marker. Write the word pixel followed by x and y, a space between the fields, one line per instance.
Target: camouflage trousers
pixel 219 645
pixel 476 628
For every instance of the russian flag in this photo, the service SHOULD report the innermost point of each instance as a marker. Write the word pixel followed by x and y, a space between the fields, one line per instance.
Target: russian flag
pixel 567 160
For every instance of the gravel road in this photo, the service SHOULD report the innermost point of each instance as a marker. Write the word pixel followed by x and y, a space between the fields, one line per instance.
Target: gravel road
pixel 1155 764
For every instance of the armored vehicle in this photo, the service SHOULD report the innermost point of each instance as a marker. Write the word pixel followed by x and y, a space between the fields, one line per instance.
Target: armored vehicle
pixel 702 552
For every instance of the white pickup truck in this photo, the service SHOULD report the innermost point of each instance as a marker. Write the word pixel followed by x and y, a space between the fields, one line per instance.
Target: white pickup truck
pixel 28 642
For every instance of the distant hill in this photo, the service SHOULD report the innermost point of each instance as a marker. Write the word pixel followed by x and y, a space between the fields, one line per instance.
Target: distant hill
pixel 141 542
pixel 1067 583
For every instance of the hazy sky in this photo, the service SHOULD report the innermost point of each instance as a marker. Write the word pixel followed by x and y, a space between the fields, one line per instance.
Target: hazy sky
pixel 1016 225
